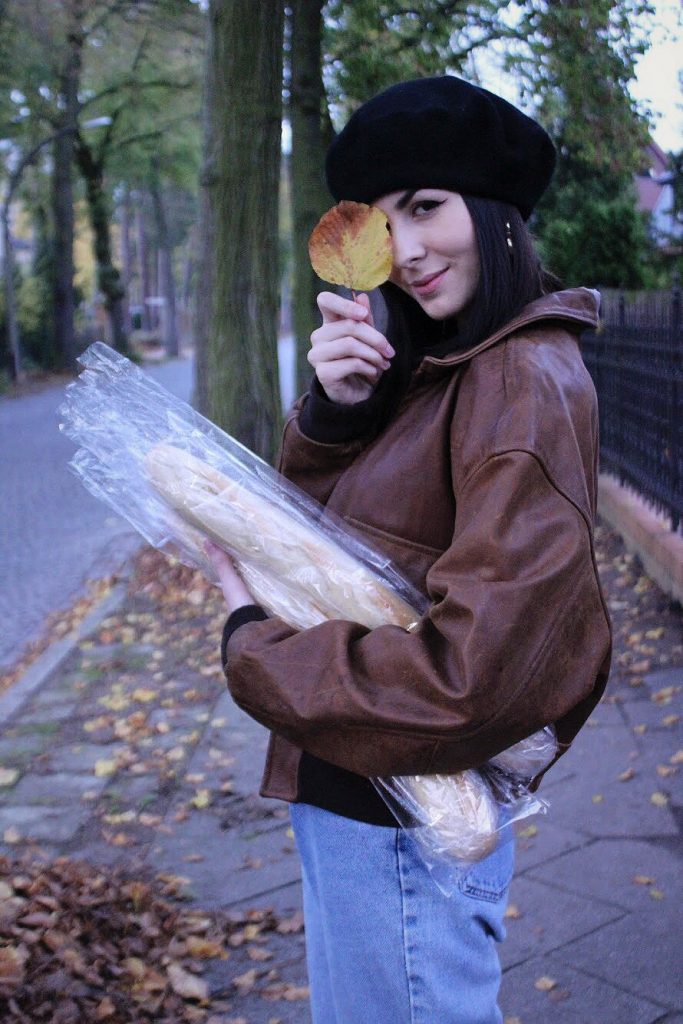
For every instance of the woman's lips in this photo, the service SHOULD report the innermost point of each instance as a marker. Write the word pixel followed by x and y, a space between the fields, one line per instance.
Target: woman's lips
pixel 429 284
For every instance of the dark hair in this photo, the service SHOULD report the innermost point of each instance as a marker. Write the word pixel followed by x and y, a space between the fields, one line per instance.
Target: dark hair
pixel 509 279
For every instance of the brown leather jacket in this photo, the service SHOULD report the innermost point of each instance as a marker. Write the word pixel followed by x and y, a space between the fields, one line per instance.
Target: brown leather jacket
pixel 482 490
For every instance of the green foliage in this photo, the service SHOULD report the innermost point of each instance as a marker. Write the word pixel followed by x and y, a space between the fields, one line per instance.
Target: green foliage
pixel 577 61
pixel 596 240
pixel 137 67
pixel 372 44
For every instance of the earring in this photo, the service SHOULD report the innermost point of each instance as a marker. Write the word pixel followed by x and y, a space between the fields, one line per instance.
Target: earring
pixel 508 236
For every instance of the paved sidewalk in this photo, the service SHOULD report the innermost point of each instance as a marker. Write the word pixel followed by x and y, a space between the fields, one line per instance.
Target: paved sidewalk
pixel 129 751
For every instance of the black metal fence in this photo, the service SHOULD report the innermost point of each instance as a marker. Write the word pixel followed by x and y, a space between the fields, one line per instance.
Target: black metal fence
pixel 636 361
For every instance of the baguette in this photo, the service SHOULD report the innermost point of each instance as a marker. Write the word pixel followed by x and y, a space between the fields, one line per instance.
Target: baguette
pixel 269 538
pixel 460 811
pixel 318 580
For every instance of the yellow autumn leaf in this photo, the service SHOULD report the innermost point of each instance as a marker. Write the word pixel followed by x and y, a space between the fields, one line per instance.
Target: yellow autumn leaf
pixel 626 776
pixel 677 758
pixel 643 880
pixel 670 720
pixel 202 798
pixel 114 701
pixel 512 913
pixel 656 894
pixel 655 634
pixel 105 766
pixel 93 724
pixel 665 695
pixel 144 695
pixel 204 949
pixel 528 832
pixel 544 983
pixel 350 246
pixel 245 982
pixel 659 799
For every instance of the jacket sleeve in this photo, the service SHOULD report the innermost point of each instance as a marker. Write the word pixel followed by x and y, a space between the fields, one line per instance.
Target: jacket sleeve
pixel 322 438
pixel 514 639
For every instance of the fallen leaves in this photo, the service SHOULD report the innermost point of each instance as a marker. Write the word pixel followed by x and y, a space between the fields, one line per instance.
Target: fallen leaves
pixel 350 246
pixel 528 832
pixel 80 942
pixel 545 983
pixel 665 695
pixel 647 880
pixel 8 776
pixel 58 625
pixel 512 912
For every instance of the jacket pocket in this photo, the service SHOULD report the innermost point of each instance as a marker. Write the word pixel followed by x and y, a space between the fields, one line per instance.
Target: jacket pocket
pixel 411 558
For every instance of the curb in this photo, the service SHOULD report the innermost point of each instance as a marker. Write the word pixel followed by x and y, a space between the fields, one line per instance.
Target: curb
pixel 51 659
pixel 645 533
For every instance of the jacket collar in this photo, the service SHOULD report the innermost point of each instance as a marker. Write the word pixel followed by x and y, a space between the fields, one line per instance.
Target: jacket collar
pixel 578 306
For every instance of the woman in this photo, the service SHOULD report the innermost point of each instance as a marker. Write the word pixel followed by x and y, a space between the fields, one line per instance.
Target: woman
pixel 462 443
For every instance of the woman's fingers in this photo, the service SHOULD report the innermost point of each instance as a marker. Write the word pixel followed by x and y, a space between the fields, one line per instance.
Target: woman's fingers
pixel 234 590
pixel 348 354
pixel 352 328
pixel 345 348
pixel 335 307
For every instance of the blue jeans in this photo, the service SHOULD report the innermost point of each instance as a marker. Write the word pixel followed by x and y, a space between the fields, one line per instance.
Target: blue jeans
pixel 384 945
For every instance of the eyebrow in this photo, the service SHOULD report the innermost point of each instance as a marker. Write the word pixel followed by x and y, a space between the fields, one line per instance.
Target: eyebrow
pixel 405 198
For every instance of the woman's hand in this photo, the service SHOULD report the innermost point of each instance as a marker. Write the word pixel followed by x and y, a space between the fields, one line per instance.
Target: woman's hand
pixel 234 590
pixel 348 354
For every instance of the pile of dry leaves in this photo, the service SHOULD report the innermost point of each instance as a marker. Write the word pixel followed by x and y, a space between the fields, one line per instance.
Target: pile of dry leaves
pixel 78 943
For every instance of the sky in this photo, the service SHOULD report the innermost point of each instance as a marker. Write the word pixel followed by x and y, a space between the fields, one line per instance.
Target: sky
pixel 657 82
pixel 656 87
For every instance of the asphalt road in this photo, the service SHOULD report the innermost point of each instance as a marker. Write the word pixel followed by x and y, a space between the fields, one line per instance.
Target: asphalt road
pixel 54 536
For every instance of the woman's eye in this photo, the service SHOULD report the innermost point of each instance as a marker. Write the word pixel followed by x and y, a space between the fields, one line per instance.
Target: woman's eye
pixel 425 205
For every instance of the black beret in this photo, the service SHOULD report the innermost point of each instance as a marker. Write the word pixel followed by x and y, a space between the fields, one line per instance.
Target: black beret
pixel 441 133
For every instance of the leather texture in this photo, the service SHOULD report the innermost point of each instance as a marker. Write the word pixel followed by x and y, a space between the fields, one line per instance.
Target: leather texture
pixel 482 491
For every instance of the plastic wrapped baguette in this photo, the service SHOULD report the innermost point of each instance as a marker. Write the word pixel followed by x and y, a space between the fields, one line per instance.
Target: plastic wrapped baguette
pixel 178 479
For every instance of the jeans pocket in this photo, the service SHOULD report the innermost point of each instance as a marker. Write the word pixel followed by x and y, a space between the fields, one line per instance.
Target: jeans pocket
pixel 489 878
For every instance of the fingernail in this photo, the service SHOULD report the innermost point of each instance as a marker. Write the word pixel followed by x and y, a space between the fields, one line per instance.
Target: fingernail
pixel 389 351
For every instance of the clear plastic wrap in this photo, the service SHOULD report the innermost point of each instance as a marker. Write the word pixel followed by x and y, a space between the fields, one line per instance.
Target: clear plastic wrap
pixel 178 479
pixel 459 819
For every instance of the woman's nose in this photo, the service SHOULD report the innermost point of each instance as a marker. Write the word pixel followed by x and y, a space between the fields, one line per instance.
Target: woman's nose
pixel 407 246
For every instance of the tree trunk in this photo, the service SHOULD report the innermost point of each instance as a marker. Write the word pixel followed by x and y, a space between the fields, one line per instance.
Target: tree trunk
pixel 108 276
pixel 13 343
pixel 166 281
pixel 245 56
pixel 126 260
pixel 143 264
pixel 310 197
pixel 62 195
pixel 206 247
